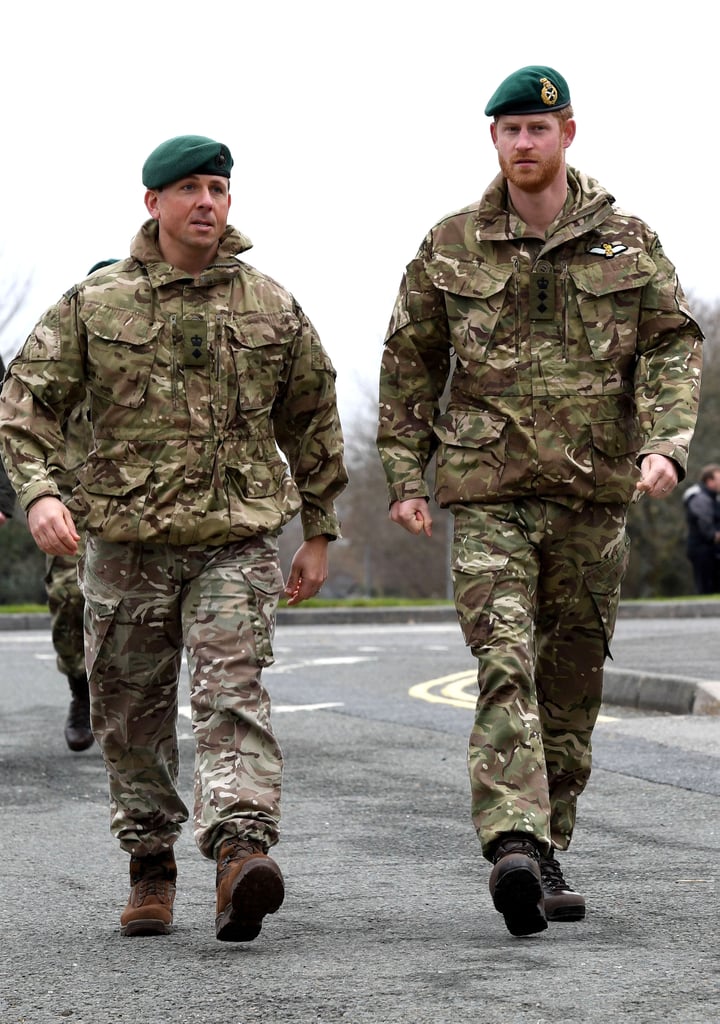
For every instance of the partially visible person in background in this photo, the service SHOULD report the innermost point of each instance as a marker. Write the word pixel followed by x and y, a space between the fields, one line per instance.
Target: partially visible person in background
pixel 702 512
pixel 7 494
pixel 65 599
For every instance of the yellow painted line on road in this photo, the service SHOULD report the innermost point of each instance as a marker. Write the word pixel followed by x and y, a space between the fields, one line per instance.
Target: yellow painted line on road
pixel 451 690
pixel 458 690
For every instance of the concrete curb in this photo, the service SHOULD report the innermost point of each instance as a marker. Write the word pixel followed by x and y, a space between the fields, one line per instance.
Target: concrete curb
pixel 676 695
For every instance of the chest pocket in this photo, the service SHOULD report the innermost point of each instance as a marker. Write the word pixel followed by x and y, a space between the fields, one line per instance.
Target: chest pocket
pixel 121 353
pixel 259 343
pixel 474 298
pixel 608 297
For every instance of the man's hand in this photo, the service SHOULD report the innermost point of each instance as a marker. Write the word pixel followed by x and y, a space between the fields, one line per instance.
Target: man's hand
pixel 308 571
pixel 658 477
pixel 413 515
pixel 52 527
pixel 3 518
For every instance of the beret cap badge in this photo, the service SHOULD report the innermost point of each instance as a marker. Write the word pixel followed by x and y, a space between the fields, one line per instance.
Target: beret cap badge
pixel 548 93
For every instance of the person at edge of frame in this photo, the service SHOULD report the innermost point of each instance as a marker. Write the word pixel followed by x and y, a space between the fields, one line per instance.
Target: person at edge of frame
pixel 7 494
pixel 65 600
pixel 702 515
pixel 199 371
pixel 574 369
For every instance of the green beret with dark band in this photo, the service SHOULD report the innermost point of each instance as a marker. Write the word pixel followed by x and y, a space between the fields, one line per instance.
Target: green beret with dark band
pixel 531 90
pixel 183 155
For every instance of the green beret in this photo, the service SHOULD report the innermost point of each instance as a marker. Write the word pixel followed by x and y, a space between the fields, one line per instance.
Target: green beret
pixel 100 264
pixel 183 155
pixel 531 90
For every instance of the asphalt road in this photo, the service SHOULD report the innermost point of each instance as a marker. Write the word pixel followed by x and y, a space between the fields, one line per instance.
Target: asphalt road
pixel 387 916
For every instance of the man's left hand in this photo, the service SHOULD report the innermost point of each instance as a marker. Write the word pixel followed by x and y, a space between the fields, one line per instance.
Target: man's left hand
pixel 308 571
pixel 658 477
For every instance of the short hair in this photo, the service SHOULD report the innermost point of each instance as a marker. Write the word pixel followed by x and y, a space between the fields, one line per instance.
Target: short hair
pixel 709 471
pixel 562 115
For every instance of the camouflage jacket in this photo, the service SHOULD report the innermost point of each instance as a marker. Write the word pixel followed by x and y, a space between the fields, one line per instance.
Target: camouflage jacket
pixel 565 361
pixel 195 387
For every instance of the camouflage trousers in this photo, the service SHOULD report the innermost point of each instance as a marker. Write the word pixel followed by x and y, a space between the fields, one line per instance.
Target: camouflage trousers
pixel 537 587
pixel 66 605
pixel 143 605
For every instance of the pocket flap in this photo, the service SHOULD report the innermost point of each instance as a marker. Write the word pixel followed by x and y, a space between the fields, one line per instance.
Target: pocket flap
pixel 122 325
pixel 464 278
pixel 469 428
pixel 605 276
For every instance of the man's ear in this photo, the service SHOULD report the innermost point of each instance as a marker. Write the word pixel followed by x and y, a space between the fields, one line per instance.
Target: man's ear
pixel 569 129
pixel 151 203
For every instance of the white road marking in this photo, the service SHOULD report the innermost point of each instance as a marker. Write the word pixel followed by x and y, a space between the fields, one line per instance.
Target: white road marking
pixel 184 710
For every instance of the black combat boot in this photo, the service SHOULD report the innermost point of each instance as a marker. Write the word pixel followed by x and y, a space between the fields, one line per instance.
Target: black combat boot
pixel 562 903
pixel 78 734
pixel 516 886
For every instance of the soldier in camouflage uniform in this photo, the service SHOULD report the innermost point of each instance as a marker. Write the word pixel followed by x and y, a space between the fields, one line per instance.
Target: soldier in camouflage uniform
pixel 200 371
pixel 573 366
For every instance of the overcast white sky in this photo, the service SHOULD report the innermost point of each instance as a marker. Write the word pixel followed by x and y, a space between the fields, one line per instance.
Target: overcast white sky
pixel 354 127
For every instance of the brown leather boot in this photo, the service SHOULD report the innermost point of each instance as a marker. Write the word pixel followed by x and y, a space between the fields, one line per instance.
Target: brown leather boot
pixel 562 903
pixel 249 886
pixel 515 884
pixel 149 909
pixel 78 734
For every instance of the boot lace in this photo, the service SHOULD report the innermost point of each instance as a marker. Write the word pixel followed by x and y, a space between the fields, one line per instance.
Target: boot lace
pixel 156 886
pixel 235 847
pixel 552 876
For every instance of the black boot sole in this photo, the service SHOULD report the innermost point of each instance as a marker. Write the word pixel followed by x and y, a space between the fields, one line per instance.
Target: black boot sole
pixel 518 896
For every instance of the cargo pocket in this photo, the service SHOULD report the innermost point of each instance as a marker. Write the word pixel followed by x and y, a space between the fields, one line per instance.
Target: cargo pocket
pixel 476 572
pixel 603 580
pixel 474 298
pixel 472 456
pixel 110 490
pixel 100 616
pixel 259 343
pixel 608 298
pixel 265 583
pixel 615 445
pixel 121 354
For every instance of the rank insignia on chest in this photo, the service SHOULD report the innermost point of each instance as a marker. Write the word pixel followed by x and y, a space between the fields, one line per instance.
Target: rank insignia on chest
pixel 542 292
pixel 607 250
pixel 195 351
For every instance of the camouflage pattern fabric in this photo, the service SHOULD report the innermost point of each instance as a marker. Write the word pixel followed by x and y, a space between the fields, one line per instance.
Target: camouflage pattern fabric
pixel 539 373
pixel 143 604
pixel 194 385
pixel 556 391
pixel 66 605
pixel 65 600
pixel 214 421
pixel 537 587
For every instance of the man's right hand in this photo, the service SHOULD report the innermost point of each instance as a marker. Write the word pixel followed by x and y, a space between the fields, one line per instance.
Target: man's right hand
pixel 413 515
pixel 52 527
